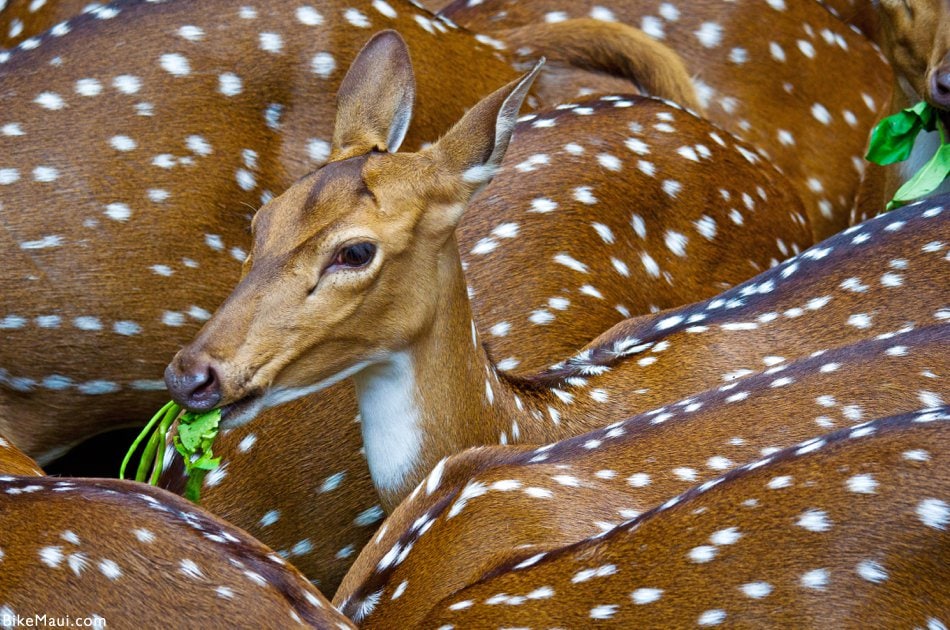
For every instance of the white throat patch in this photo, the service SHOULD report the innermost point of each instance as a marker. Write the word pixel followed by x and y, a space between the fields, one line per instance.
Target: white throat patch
pixel 392 436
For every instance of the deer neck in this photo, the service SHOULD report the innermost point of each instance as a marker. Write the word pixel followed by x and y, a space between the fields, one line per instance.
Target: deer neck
pixel 438 396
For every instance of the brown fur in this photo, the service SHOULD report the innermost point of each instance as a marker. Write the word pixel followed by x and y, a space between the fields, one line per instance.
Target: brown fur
pixel 605 48
pixel 17 12
pixel 13 461
pixel 859 13
pixel 501 293
pixel 457 550
pixel 83 523
pixel 762 96
pixel 427 314
pixel 808 373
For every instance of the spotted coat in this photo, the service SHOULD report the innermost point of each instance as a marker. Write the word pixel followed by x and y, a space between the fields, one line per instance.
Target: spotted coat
pixel 768 85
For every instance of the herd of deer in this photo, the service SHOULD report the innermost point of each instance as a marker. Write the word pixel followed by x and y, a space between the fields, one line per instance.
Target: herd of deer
pixel 661 362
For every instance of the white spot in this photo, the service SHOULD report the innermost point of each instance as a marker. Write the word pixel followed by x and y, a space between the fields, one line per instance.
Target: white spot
pixel 543 205
pixel 229 84
pixel 127 84
pixel 610 162
pixel 871 571
pixel 323 64
pixel 709 34
pixel 198 145
pixel 860 320
pixel 821 113
pixel 318 150
pixel 727 536
pixel 711 617
pixel 930 400
pixel 175 64
pixel 191 33
pixel 646 595
pixel 12 129
pixel 247 443
pixel 88 87
pixel 933 513
pixel 271 42
pixel 50 100
pixel 639 480
pixel 51 556
pixel 816 579
pixel 189 568
pixel 584 195
pixel 570 262
pixel 862 484
pixel 702 554
pixel 110 569
pixel 814 521
pixel 357 19
pixel 756 590
pixel 309 16
pixel 603 612
pixel 118 211
pixel 126 328
pixel 122 143
pixel 45 174
pixel 675 242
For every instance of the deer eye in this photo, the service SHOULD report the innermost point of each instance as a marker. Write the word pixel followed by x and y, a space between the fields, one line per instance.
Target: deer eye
pixel 355 255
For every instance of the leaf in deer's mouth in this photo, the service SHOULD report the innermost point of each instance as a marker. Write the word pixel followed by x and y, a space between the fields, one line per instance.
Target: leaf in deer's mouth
pixel 196 434
pixel 893 140
pixel 193 440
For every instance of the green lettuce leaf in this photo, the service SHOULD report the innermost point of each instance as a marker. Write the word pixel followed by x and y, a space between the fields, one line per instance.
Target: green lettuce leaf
pixel 893 138
pixel 927 179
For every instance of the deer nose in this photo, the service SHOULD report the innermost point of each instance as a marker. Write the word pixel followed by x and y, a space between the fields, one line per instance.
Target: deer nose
pixel 940 86
pixel 195 385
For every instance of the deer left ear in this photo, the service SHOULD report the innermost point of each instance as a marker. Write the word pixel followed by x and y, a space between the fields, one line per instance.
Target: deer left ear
pixel 474 148
pixel 374 102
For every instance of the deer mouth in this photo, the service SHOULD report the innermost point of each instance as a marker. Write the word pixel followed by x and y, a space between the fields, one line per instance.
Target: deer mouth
pixel 241 411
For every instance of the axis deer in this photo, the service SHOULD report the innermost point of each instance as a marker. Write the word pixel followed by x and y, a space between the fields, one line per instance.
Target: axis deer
pixel 732 217
pixel 214 110
pixel 122 555
pixel 336 491
pixel 374 242
pixel 760 72
pixel 846 529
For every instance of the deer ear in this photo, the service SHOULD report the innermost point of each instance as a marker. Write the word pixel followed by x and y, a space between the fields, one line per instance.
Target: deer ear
pixel 474 148
pixel 374 102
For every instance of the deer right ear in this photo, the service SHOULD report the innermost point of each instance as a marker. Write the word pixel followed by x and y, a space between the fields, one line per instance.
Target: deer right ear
pixel 474 148
pixel 374 102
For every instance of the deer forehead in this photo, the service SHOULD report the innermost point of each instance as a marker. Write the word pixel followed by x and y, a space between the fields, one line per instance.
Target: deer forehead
pixel 372 196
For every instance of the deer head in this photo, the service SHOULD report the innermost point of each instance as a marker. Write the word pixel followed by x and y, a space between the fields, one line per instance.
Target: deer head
pixel 916 36
pixel 345 264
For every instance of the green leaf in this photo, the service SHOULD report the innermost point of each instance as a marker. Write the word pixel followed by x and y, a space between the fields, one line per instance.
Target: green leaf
pixel 893 138
pixel 156 419
pixel 193 429
pixel 927 178
pixel 194 439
